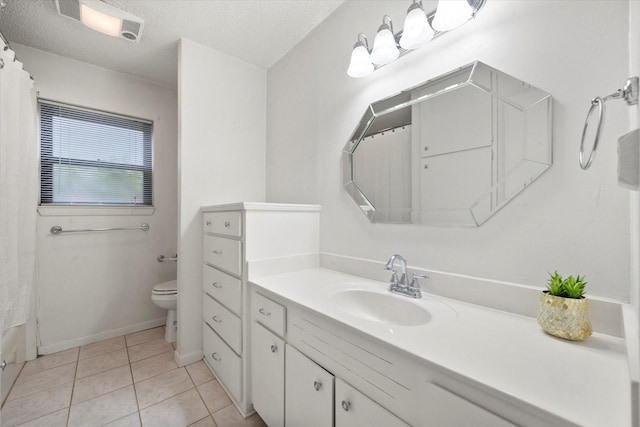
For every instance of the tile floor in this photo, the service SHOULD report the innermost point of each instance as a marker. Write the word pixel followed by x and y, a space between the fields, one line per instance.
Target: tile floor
pixel 125 381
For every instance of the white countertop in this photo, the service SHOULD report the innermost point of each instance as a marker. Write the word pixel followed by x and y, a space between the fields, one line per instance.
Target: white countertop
pixel 586 382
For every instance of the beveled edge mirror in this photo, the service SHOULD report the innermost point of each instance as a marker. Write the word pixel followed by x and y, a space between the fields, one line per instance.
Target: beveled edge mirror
pixel 451 151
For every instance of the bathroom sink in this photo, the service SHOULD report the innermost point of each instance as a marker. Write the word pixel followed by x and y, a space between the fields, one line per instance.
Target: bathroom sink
pixel 380 307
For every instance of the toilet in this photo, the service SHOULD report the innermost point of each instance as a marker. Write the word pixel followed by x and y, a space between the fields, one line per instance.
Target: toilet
pixel 165 295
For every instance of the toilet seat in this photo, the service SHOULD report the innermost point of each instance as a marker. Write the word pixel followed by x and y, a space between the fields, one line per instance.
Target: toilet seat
pixel 166 288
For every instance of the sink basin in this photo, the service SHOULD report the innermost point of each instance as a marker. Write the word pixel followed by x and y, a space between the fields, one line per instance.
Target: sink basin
pixel 380 307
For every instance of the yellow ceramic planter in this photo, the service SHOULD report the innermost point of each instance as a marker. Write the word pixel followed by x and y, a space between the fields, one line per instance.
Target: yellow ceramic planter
pixel 566 318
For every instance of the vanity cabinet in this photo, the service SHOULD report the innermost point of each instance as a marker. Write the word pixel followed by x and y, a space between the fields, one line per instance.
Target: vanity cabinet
pixel 330 375
pixel 234 235
pixel 291 389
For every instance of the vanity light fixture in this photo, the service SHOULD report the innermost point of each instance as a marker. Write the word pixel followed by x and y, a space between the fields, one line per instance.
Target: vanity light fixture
pixel 360 65
pixel 385 48
pixel 102 17
pixel 419 29
pixel 451 14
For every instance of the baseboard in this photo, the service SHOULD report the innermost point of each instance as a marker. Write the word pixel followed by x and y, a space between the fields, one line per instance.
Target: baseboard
pixel 187 359
pixel 245 412
pixel 77 342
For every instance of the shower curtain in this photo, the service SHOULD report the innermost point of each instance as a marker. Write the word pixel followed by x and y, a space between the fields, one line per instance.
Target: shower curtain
pixel 18 190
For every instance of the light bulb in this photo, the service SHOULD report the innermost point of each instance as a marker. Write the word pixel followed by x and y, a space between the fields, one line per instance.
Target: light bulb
pixel 384 50
pixel 99 21
pixel 416 30
pixel 451 14
pixel 360 65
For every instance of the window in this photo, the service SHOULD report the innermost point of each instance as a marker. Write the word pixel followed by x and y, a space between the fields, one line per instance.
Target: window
pixel 89 157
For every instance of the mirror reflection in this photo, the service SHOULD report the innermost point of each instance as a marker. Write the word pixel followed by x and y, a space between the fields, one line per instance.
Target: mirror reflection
pixel 451 151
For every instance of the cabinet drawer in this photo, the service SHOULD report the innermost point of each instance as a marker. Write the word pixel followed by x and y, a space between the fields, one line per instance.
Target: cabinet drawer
pixel 224 362
pixel 269 313
pixel 223 253
pixel 355 409
pixel 224 322
pixel 226 289
pixel 226 223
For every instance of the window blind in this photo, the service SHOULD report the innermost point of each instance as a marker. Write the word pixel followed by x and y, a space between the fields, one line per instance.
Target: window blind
pixel 89 157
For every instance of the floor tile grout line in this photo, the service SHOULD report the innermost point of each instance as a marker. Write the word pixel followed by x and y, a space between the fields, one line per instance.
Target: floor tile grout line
pixel 171 397
pixel 133 384
pixel 73 387
pixel 7 400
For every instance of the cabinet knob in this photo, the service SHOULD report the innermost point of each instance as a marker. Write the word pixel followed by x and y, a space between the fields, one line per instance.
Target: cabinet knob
pixel 227 224
pixel 274 348
pixel 426 148
pixel 208 222
pixel 426 166
pixel 217 252
pixel 216 285
pixel 216 358
pixel 264 312
pixel 317 385
pixel 346 405
pixel 216 319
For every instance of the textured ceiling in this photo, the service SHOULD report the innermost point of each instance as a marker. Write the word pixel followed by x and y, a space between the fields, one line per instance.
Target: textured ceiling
pixel 257 31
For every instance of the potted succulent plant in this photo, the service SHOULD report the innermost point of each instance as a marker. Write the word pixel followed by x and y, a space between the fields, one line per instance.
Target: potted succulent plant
pixel 564 311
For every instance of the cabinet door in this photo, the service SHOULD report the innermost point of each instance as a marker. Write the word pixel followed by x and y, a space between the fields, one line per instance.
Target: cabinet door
pixel 446 409
pixel 354 409
pixel 267 375
pixel 309 392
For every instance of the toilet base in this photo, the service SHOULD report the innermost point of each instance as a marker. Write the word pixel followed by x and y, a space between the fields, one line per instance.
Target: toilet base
pixel 171 328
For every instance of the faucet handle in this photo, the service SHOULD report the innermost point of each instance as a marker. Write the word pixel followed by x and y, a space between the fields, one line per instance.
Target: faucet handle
pixel 414 280
pixel 394 278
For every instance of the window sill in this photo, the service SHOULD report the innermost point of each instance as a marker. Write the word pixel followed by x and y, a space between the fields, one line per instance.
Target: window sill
pixel 95 211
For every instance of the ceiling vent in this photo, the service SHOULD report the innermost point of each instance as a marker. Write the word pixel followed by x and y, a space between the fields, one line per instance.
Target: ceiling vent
pixel 102 17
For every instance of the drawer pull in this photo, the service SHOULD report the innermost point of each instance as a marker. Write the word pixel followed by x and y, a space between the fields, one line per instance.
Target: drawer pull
pixel 215 319
pixel 317 385
pixel 227 224
pixel 264 312
pixel 274 348
pixel 217 252
pixel 208 222
pixel 346 405
pixel 216 285
pixel 219 359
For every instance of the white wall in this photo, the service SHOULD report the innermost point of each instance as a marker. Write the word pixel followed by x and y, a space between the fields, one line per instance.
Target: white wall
pixel 570 220
pixel 634 196
pixel 222 104
pixel 97 285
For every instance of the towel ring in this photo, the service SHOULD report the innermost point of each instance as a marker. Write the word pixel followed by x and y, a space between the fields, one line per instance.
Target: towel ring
pixel 595 102
pixel 629 93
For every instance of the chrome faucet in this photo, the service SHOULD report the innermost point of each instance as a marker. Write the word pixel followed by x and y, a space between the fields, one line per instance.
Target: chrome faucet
pixel 402 286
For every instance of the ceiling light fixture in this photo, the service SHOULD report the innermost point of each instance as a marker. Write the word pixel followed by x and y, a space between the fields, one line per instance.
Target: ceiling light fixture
pixel 102 17
pixel 419 29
